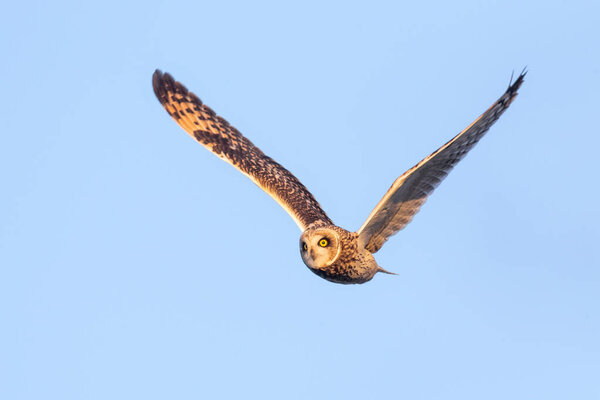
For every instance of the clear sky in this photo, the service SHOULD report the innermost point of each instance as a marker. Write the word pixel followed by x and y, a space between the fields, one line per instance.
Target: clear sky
pixel 136 265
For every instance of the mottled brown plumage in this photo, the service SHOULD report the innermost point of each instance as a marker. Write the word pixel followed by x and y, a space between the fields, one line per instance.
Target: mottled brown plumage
pixel 215 133
pixel 331 252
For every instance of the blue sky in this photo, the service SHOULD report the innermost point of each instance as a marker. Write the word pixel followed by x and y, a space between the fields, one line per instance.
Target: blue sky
pixel 135 264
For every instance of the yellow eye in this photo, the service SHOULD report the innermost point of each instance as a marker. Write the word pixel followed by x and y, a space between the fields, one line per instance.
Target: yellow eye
pixel 323 242
pixel 304 246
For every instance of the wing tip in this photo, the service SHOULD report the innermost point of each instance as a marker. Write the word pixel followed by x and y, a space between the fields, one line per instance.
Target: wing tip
pixel 163 83
pixel 513 88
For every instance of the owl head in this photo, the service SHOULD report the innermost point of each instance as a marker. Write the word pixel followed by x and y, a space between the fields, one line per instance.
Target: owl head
pixel 320 247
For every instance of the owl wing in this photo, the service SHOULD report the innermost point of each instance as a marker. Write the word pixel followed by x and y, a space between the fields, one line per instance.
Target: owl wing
pixel 215 133
pixel 408 193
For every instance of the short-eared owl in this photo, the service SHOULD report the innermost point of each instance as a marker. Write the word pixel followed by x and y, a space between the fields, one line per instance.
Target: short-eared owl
pixel 329 251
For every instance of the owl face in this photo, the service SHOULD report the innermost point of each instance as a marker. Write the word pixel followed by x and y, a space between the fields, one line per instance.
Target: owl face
pixel 320 247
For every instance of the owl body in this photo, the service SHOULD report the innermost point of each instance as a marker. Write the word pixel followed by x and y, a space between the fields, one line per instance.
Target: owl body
pixel 329 251
pixel 335 254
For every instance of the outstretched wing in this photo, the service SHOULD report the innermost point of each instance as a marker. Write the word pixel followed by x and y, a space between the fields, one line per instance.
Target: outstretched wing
pixel 408 193
pixel 228 143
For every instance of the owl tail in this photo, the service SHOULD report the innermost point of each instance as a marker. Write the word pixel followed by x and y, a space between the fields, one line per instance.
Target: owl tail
pixel 379 269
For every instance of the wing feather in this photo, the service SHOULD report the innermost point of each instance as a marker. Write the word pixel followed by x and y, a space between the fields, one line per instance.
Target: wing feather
pixel 408 193
pixel 215 133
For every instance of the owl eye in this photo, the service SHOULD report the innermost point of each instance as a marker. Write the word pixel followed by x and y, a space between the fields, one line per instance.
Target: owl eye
pixel 323 242
pixel 304 246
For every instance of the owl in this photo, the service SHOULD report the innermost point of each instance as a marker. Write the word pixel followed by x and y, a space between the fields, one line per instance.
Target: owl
pixel 329 251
